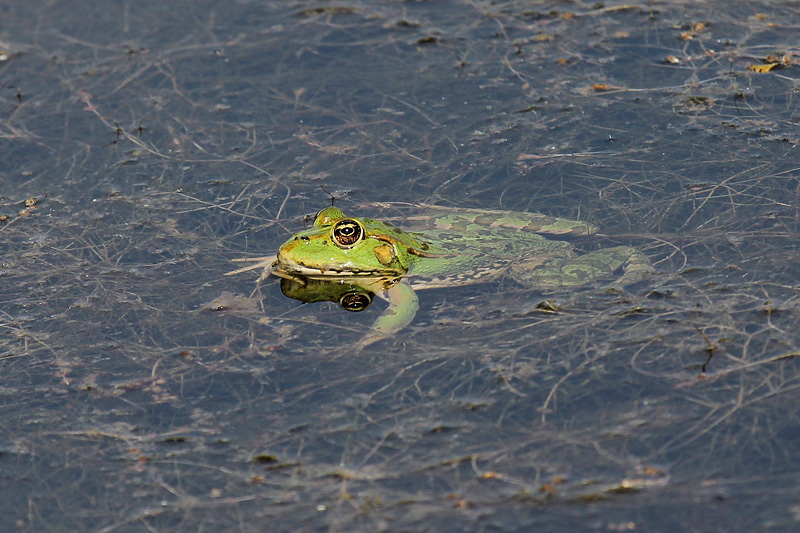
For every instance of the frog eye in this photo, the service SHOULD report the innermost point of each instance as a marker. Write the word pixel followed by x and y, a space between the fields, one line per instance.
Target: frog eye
pixel 347 233
pixel 355 301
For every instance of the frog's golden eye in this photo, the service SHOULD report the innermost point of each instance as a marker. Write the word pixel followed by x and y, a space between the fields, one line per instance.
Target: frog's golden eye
pixel 355 301
pixel 347 233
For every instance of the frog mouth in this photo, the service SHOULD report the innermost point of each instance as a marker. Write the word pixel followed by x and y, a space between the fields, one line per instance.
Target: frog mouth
pixel 282 265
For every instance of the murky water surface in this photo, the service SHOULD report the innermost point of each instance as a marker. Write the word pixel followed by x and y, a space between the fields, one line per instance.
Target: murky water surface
pixel 145 145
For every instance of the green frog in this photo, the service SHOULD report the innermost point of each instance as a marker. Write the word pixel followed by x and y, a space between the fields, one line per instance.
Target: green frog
pixel 348 259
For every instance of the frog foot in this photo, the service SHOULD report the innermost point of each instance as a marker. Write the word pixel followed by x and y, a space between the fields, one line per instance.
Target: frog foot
pixel 636 267
pixel 258 262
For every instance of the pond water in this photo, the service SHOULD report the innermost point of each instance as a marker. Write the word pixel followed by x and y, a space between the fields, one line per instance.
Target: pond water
pixel 144 146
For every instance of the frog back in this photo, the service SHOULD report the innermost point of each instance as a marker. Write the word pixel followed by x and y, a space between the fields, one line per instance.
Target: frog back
pixel 478 255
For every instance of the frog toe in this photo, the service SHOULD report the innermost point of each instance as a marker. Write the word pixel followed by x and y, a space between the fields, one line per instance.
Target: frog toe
pixel 636 268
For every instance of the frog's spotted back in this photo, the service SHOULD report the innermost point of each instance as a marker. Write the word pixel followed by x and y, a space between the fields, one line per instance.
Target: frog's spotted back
pixel 474 219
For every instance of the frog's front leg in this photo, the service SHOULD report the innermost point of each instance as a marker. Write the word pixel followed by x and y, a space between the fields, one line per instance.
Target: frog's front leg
pixel 571 270
pixel 403 305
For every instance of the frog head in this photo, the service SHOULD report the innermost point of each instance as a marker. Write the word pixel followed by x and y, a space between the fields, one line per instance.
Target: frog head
pixel 338 245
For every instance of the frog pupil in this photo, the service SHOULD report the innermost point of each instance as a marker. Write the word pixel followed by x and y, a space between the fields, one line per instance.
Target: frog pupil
pixel 347 232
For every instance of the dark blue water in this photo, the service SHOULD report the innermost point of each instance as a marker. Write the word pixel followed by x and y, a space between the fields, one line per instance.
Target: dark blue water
pixel 155 143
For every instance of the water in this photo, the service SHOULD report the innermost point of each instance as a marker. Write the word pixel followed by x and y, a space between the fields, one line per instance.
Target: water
pixel 161 142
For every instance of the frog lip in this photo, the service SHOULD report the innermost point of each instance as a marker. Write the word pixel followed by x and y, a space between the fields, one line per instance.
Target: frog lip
pixel 292 267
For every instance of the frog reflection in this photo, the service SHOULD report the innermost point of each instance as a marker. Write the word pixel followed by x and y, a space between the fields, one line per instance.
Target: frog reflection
pixel 349 296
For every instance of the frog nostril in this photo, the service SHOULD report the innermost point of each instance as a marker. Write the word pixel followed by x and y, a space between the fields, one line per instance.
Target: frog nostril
pixel 305 238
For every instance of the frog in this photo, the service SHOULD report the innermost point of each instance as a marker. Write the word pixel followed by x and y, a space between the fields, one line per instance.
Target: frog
pixel 349 258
